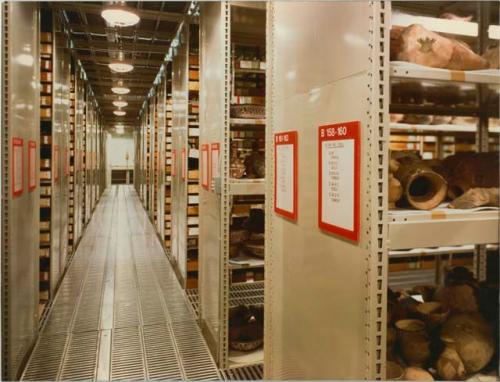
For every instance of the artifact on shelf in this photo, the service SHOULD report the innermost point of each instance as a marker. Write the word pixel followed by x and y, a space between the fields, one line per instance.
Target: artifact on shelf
pixel 413 341
pixel 237 164
pixel 417 119
pixel 246 327
pixel 441 120
pixel 248 111
pixel 395 188
pixel 433 313
pixel 255 163
pixel 468 170
pixel 407 92
pixel 472 336
pixel 423 188
pixel 477 197
pixel 394 371
pixel 449 364
pixel 459 291
pixel 417 374
pixel 395 118
pixel 491 55
pixel 418 45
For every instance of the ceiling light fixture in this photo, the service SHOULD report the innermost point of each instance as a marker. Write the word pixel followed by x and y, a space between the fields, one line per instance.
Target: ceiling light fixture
pixel 119 113
pixel 121 67
pixel 120 90
pixel 117 16
pixel 120 103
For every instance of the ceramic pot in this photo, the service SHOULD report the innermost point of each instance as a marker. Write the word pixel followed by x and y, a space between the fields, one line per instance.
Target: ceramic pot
pixel 394 372
pixel 449 365
pixel 417 374
pixel 423 188
pixel 433 313
pixel 473 339
pixel 413 341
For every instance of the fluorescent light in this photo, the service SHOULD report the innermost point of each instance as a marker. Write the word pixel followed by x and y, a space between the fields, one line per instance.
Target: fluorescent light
pixel 120 103
pixel 119 17
pixel 121 67
pixel 119 113
pixel 120 90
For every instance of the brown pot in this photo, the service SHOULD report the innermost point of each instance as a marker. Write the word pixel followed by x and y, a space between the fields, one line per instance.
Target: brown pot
pixel 423 188
pixel 413 341
pixel 433 313
pixel 458 298
pixel 417 374
pixel 394 372
pixel 449 365
pixel 395 190
pixel 473 339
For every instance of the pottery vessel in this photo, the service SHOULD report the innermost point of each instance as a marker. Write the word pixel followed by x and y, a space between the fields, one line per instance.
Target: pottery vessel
pixel 413 341
pixel 449 365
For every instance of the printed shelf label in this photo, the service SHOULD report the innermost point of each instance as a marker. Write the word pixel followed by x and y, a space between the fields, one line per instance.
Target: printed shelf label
pixel 285 174
pixel 17 166
pixel 205 168
pixel 339 157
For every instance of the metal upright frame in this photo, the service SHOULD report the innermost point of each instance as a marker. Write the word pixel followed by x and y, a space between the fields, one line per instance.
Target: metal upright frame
pixel 216 291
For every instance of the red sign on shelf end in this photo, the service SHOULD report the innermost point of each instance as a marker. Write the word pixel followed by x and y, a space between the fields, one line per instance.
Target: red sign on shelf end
pixel 17 166
pixel 286 174
pixel 204 164
pixel 339 174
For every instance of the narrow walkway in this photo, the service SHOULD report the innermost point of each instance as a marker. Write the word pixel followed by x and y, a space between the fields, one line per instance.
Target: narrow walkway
pixel 120 312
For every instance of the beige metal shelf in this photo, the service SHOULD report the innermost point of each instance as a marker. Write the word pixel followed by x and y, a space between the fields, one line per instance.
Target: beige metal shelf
pixel 247 186
pixel 442 226
pixel 401 69
pixel 408 128
pixel 436 251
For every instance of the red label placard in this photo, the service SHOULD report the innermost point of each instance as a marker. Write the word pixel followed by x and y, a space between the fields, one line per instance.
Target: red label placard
pixel 214 163
pixel 285 174
pixel 31 165
pixel 55 166
pixel 17 166
pixel 338 173
pixel 204 163
pixel 174 170
pixel 183 163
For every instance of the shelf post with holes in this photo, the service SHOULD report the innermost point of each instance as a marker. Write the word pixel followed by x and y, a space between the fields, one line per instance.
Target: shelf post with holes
pixel 232 178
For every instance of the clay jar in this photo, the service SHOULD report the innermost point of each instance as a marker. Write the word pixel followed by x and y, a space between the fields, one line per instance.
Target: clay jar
pixel 473 339
pixel 413 341
pixel 449 365
pixel 417 374
pixel 394 372
pixel 433 313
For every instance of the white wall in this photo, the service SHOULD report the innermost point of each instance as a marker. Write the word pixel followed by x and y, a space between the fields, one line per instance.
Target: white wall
pixel 117 146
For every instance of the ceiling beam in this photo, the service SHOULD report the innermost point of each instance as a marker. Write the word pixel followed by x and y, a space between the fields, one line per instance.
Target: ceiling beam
pixel 130 33
pixel 107 60
pixel 125 47
pixel 97 9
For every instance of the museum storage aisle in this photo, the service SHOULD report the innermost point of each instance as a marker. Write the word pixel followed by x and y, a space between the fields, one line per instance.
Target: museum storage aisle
pixel 120 312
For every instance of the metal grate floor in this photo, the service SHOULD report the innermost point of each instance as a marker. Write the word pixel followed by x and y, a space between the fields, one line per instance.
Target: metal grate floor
pixel 120 312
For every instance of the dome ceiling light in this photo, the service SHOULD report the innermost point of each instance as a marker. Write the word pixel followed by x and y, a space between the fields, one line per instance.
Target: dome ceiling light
pixel 117 16
pixel 121 67
pixel 120 90
pixel 120 103
pixel 119 113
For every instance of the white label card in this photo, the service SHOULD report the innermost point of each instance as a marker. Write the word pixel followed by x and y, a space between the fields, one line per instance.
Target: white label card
pixel 338 183
pixel 284 177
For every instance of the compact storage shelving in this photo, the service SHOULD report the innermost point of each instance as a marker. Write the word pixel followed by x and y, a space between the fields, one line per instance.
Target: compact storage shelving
pixel 167 230
pixel 326 296
pixel 185 156
pixel 46 156
pixel 232 191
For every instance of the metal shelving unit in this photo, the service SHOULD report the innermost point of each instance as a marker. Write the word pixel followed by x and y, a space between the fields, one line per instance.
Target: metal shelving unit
pixel 185 156
pixel 167 230
pixel 232 41
pixel 336 288
pixel 20 210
